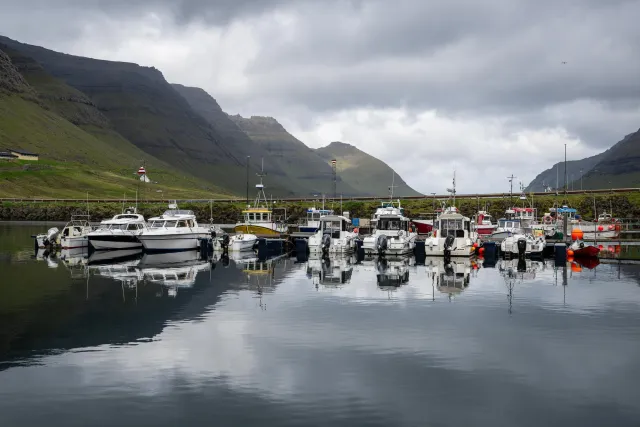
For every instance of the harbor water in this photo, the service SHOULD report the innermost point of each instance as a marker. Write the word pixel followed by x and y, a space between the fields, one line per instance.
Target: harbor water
pixel 171 339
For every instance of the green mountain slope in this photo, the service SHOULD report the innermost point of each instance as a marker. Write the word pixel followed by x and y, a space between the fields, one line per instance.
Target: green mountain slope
pixel 75 159
pixel 278 180
pixel 367 174
pixel 147 111
pixel 619 166
pixel 301 164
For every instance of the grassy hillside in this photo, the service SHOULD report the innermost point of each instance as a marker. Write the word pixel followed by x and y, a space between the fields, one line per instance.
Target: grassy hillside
pixel 619 166
pixel 38 112
pixel 146 110
pixel 364 172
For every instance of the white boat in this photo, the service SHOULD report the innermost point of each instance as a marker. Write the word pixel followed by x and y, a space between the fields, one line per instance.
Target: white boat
pixel 391 234
pixel 74 234
pixel 119 232
pixel 44 240
pixel 335 235
pixel 172 270
pixel 452 236
pixel 174 230
pixel 242 242
pixel 312 222
pixel 522 245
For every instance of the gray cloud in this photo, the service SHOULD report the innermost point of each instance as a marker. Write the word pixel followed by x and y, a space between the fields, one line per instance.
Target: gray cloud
pixel 501 58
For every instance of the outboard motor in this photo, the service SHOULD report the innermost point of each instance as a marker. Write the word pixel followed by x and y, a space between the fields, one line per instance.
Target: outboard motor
pixel 382 244
pixel 522 247
pixel 448 245
pixel 325 243
pixel 225 243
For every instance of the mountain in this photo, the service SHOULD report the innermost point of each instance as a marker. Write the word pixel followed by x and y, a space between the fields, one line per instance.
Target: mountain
pixel 283 177
pixel 301 164
pixel 146 110
pixel 79 150
pixel 619 166
pixel 367 174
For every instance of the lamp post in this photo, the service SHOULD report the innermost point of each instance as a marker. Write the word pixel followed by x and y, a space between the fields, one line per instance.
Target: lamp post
pixel 434 201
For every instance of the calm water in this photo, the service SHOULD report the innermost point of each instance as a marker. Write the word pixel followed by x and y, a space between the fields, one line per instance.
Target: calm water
pixel 168 340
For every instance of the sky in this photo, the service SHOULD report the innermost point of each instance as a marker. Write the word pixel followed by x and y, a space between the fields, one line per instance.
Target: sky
pixel 487 89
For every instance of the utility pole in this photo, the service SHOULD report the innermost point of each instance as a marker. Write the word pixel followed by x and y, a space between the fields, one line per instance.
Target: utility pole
pixel 511 178
pixel 434 201
pixel 333 170
pixel 248 157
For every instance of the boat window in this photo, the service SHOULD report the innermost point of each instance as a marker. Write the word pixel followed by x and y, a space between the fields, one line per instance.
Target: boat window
pixel 132 227
pixel 332 225
pixel 389 224
pixel 170 224
pixel 250 216
pixel 156 224
pixel 182 223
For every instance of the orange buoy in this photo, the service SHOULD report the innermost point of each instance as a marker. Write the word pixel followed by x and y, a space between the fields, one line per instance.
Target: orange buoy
pixel 610 227
pixel 569 252
pixel 475 245
pixel 611 248
pixel 577 234
pixel 576 268
pixel 481 251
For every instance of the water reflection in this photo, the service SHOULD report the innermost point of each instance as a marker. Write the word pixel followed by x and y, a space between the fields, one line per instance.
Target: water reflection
pixel 344 341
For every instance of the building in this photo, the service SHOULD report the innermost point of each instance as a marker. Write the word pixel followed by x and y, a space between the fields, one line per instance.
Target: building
pixel 5 155
pixel 23 155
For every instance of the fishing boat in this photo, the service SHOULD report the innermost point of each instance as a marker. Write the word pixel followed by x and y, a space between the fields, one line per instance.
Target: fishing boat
pixel 392 235
pixel 482 223
pixel 335 235
pixel 174 230
pixel 522 245
pixel 73 235
pixel 582 249
pixel 452 235
pixel 119 232
pixel 312 222
pixel 259 219
pixel 242 242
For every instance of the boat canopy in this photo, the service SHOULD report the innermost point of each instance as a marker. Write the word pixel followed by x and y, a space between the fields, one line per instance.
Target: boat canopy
pixel 176 212
pixel 566 210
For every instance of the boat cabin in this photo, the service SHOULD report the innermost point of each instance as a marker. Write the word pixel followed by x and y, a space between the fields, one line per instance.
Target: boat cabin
pixel 174 219
pixel 256 215
pixel 452 223
pixel 393 223
pixel 334 225
pixel 523 214
pixel 605 217
pixel 78 226
pixel 509 224
pixel 314 215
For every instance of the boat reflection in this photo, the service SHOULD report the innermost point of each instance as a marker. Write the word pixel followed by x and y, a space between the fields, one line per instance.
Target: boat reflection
pixel 333 270
pixel 523 269
pixel 451 276
pixel 392 272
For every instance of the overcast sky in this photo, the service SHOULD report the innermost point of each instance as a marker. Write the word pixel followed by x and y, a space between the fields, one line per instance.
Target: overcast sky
pixel 427 86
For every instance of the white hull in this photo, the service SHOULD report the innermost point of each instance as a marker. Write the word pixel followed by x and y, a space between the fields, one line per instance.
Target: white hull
pixel 171 242
pixel 510 246
pixel 435 247
pixel 238 245
pixel 399 246
pixel 74 242
pixel 111 245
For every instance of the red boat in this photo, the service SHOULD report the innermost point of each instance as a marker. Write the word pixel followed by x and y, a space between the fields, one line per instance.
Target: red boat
pixel 423 226
pixel 581 249
pixel 482 224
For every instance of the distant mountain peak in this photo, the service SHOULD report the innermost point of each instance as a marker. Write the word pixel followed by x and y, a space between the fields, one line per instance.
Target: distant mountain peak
pixel 258 123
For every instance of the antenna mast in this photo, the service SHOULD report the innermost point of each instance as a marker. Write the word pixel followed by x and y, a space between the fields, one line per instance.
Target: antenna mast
pixel 260 186
pixel 393 180
pixel 511 178
pixel 334 178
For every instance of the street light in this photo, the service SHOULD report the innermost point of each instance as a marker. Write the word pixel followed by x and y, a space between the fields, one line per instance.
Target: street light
pixel 434 201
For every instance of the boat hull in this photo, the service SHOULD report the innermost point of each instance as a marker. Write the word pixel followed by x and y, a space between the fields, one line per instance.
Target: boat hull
pixel 259 230
pixel 74 242
pixel 238 245
pixel 171 242
pixel 110 242
pixel 423 227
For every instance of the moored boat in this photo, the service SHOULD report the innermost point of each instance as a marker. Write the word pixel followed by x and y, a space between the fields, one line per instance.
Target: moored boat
pixel 119 232
pixel 174 230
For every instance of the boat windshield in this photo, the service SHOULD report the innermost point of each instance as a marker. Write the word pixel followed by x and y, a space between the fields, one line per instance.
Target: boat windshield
pixel 452 227
pixel 174 212
pixel 332 225
pixel 156 224
pixel 390 224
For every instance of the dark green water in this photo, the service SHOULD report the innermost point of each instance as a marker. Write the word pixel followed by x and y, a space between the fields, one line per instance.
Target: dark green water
pixel 169 341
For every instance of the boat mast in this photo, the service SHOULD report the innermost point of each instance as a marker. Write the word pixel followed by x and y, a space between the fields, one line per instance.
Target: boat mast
pixel 260 187
pixel 565 174
pixel 511 178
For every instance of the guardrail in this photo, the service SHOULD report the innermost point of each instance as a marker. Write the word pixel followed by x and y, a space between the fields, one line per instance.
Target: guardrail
pixel 313 199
